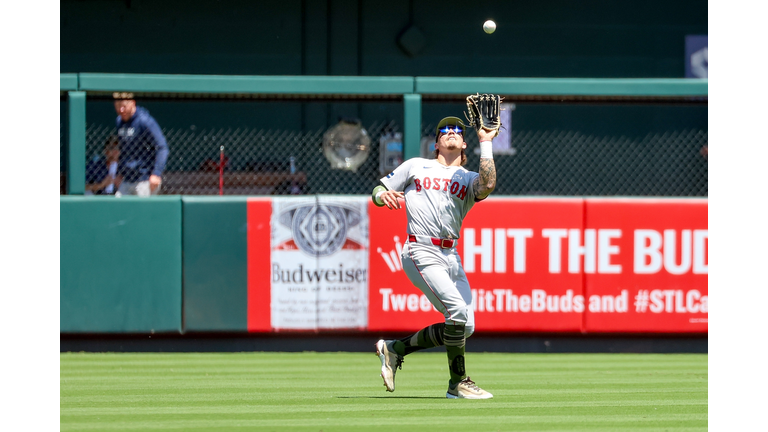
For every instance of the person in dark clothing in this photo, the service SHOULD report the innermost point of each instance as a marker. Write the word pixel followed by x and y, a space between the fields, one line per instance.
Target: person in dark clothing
pixel 144 150
pixel 102 174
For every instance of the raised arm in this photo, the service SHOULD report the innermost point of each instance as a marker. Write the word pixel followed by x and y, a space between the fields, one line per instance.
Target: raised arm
pixel 486 182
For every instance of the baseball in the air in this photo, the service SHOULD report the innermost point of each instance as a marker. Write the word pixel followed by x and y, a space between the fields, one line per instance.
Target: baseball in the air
pixel 489 26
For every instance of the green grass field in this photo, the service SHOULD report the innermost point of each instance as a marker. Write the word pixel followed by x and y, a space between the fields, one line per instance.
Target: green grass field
pixel 343 391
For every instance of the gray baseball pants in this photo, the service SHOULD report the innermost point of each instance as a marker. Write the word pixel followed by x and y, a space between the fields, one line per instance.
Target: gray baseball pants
pixel 438 273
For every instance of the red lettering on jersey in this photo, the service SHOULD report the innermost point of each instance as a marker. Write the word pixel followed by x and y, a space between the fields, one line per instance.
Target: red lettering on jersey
pixel 447 182
pixel 462 193
pixel 417 182
pixel 436 183
pixel 454 187
pixel 427 183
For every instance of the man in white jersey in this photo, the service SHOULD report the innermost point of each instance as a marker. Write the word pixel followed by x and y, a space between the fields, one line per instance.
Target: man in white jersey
pixel 438 194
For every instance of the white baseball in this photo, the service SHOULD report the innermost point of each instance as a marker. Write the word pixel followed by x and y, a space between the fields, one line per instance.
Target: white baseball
pixel 489 26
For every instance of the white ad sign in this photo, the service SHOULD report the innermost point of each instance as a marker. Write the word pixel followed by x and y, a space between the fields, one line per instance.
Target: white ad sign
pixel 319 263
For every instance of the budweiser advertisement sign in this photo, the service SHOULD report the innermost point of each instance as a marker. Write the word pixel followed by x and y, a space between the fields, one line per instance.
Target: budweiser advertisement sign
pixel 317 250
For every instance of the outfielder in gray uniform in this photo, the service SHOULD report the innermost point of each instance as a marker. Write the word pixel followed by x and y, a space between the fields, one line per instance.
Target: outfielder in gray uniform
pixel 438 194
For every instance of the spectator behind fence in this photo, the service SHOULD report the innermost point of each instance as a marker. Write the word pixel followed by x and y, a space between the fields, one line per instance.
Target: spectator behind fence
pixel 102 175
pixel 144 150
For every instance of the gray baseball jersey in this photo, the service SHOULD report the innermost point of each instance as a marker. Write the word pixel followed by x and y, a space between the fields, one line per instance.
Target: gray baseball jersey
pixel 437 196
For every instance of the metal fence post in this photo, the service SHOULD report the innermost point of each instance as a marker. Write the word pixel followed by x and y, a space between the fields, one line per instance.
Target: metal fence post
pixel 76 144
pixel 412 126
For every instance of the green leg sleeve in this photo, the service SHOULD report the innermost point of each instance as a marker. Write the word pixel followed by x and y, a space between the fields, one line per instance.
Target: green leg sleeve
pixel 427 337
pixel 454 346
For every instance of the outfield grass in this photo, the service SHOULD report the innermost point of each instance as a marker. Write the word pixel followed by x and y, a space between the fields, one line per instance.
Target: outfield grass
pixel 343 391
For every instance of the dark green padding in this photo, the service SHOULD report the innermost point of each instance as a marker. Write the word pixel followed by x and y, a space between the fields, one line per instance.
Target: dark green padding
pixel 215 264
pixel 120 264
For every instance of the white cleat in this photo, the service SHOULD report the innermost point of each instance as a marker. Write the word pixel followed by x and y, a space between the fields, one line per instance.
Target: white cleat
pixel 467 389
pixel 390 362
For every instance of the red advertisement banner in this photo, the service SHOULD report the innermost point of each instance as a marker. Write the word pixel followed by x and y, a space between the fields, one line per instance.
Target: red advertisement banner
pixel 259 214
pixel 646 267
pixel 560 265
pixel 505 249
pixel 536 265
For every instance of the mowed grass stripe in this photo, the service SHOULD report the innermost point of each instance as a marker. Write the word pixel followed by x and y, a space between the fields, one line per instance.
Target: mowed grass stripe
pixel 426 422
pixel 342 391
pixel 252 409
pixel 154 397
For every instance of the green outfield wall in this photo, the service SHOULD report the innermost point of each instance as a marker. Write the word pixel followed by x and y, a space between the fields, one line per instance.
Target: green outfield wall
pixel 174 264
pixel 215 268
pixel 124 263
pixel 120 266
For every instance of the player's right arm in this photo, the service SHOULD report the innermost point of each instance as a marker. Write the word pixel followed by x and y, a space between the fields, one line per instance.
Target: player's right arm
pixel 394 184
pixel 384 197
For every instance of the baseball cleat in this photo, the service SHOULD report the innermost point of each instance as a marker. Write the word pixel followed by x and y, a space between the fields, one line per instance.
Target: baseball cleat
pixel 390 362
pixel 467 389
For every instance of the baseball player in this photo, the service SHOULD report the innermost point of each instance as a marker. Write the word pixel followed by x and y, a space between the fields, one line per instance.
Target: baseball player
pixel 438 194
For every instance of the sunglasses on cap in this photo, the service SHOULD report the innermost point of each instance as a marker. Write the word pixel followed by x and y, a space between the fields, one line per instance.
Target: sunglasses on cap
pixel 447 129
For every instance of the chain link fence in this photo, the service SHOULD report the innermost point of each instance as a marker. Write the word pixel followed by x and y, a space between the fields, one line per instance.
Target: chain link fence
pixel 254 161
pixel 572 163
pixel 257 161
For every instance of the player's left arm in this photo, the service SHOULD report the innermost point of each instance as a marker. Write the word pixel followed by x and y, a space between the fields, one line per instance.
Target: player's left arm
pixel 161 153
pixel 486 181
pixel 161 146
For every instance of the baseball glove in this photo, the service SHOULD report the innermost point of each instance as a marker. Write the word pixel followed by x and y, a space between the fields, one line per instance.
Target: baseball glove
pixel 483 111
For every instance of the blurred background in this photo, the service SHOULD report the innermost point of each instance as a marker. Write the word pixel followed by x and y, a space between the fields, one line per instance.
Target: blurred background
pixel 557 146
